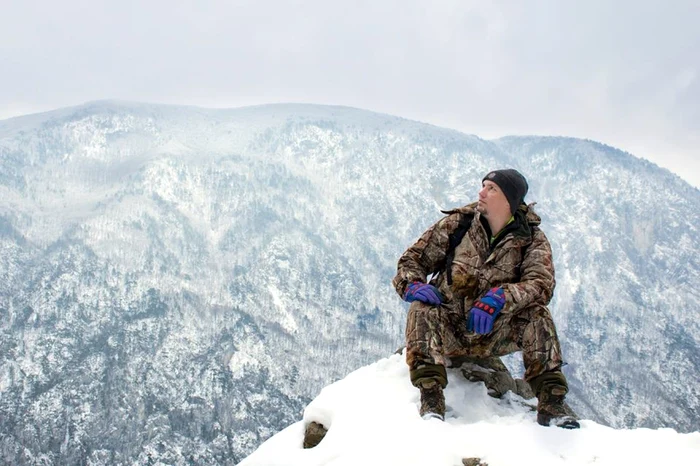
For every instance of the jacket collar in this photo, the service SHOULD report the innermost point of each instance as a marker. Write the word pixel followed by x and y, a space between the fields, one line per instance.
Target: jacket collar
pixel 525 216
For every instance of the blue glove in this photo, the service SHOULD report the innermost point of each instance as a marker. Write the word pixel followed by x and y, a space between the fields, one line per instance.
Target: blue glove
pixel 422 292
pixel 485 310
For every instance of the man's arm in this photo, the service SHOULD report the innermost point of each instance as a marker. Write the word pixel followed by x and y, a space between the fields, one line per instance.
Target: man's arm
pixel 426 256
pixel 537 282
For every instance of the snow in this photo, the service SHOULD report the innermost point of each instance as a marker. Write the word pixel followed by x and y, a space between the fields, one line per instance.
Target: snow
pixel 239 360
pixel 372 417
pixel 288 321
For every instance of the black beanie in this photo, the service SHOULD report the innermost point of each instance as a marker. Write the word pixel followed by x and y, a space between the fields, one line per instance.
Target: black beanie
pixel 513 185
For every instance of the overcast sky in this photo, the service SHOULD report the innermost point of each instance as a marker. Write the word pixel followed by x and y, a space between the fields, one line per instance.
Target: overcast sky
pixel 623 72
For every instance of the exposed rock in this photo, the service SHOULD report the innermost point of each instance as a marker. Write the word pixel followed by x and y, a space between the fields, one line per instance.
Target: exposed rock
pixel 524 389
pixel 473 462
pixel 494 374
pixel 314 434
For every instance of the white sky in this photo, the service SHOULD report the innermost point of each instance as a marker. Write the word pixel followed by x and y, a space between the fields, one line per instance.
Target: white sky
pixel 624 72
pixel 373 419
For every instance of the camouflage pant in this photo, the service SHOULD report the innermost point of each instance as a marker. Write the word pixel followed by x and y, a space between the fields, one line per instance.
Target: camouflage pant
pixel 436 334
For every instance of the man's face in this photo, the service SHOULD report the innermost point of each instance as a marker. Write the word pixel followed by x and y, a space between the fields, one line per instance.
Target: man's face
pixel 492 200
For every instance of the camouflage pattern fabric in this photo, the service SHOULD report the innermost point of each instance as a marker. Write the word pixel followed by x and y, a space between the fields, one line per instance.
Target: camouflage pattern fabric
pixel 526 279
pixel 521 263
pixel 436 334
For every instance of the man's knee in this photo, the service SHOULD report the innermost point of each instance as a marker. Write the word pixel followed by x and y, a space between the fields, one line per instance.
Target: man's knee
pixel 421 308
pixel 422 316
pixel 535 312
pixel 538 323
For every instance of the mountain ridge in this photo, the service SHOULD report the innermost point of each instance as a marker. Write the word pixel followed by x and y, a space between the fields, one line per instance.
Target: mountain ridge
pixel 188 266
pixel 295 108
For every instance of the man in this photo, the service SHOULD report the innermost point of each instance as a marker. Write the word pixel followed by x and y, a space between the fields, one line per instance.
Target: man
pixel 492 278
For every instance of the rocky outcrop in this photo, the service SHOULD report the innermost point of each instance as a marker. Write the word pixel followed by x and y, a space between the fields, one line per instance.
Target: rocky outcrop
pixel 494 374
pixel 473 462
pixel 313 434
pixel 491 371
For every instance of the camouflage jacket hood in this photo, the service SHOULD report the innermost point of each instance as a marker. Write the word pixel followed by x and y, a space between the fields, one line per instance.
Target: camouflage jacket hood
pixel 520 261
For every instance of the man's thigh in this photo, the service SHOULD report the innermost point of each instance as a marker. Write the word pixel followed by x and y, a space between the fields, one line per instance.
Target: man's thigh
pixel 433 332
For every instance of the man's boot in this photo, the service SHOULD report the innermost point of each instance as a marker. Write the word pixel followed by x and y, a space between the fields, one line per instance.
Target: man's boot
pixel 552 411
pixel 432 400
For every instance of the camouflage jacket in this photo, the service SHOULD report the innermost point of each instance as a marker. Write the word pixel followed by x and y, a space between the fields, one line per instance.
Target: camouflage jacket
pixel 520 261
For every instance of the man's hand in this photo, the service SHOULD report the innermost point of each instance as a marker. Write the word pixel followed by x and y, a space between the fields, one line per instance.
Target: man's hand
pixel 485 310
pixel 422 292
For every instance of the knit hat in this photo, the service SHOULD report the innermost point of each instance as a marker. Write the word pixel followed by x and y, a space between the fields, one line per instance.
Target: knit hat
pixel 513 185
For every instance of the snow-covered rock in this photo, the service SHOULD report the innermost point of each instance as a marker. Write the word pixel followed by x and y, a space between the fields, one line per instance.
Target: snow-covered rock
pixel 372 418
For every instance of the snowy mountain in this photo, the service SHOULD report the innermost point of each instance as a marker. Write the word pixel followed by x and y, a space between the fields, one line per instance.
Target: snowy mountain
pixel 372 418
pixel 176 284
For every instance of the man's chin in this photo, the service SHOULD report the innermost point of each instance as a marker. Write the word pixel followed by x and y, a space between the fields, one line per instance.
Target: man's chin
pixel 481 208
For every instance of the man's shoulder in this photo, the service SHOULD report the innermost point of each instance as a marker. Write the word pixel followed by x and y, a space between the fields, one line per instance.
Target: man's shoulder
pixel 469 209
pixel 459 218
pixel 531 217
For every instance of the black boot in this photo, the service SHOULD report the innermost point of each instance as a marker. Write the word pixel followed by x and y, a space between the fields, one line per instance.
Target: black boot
pixel 432 400
pixel 552 411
